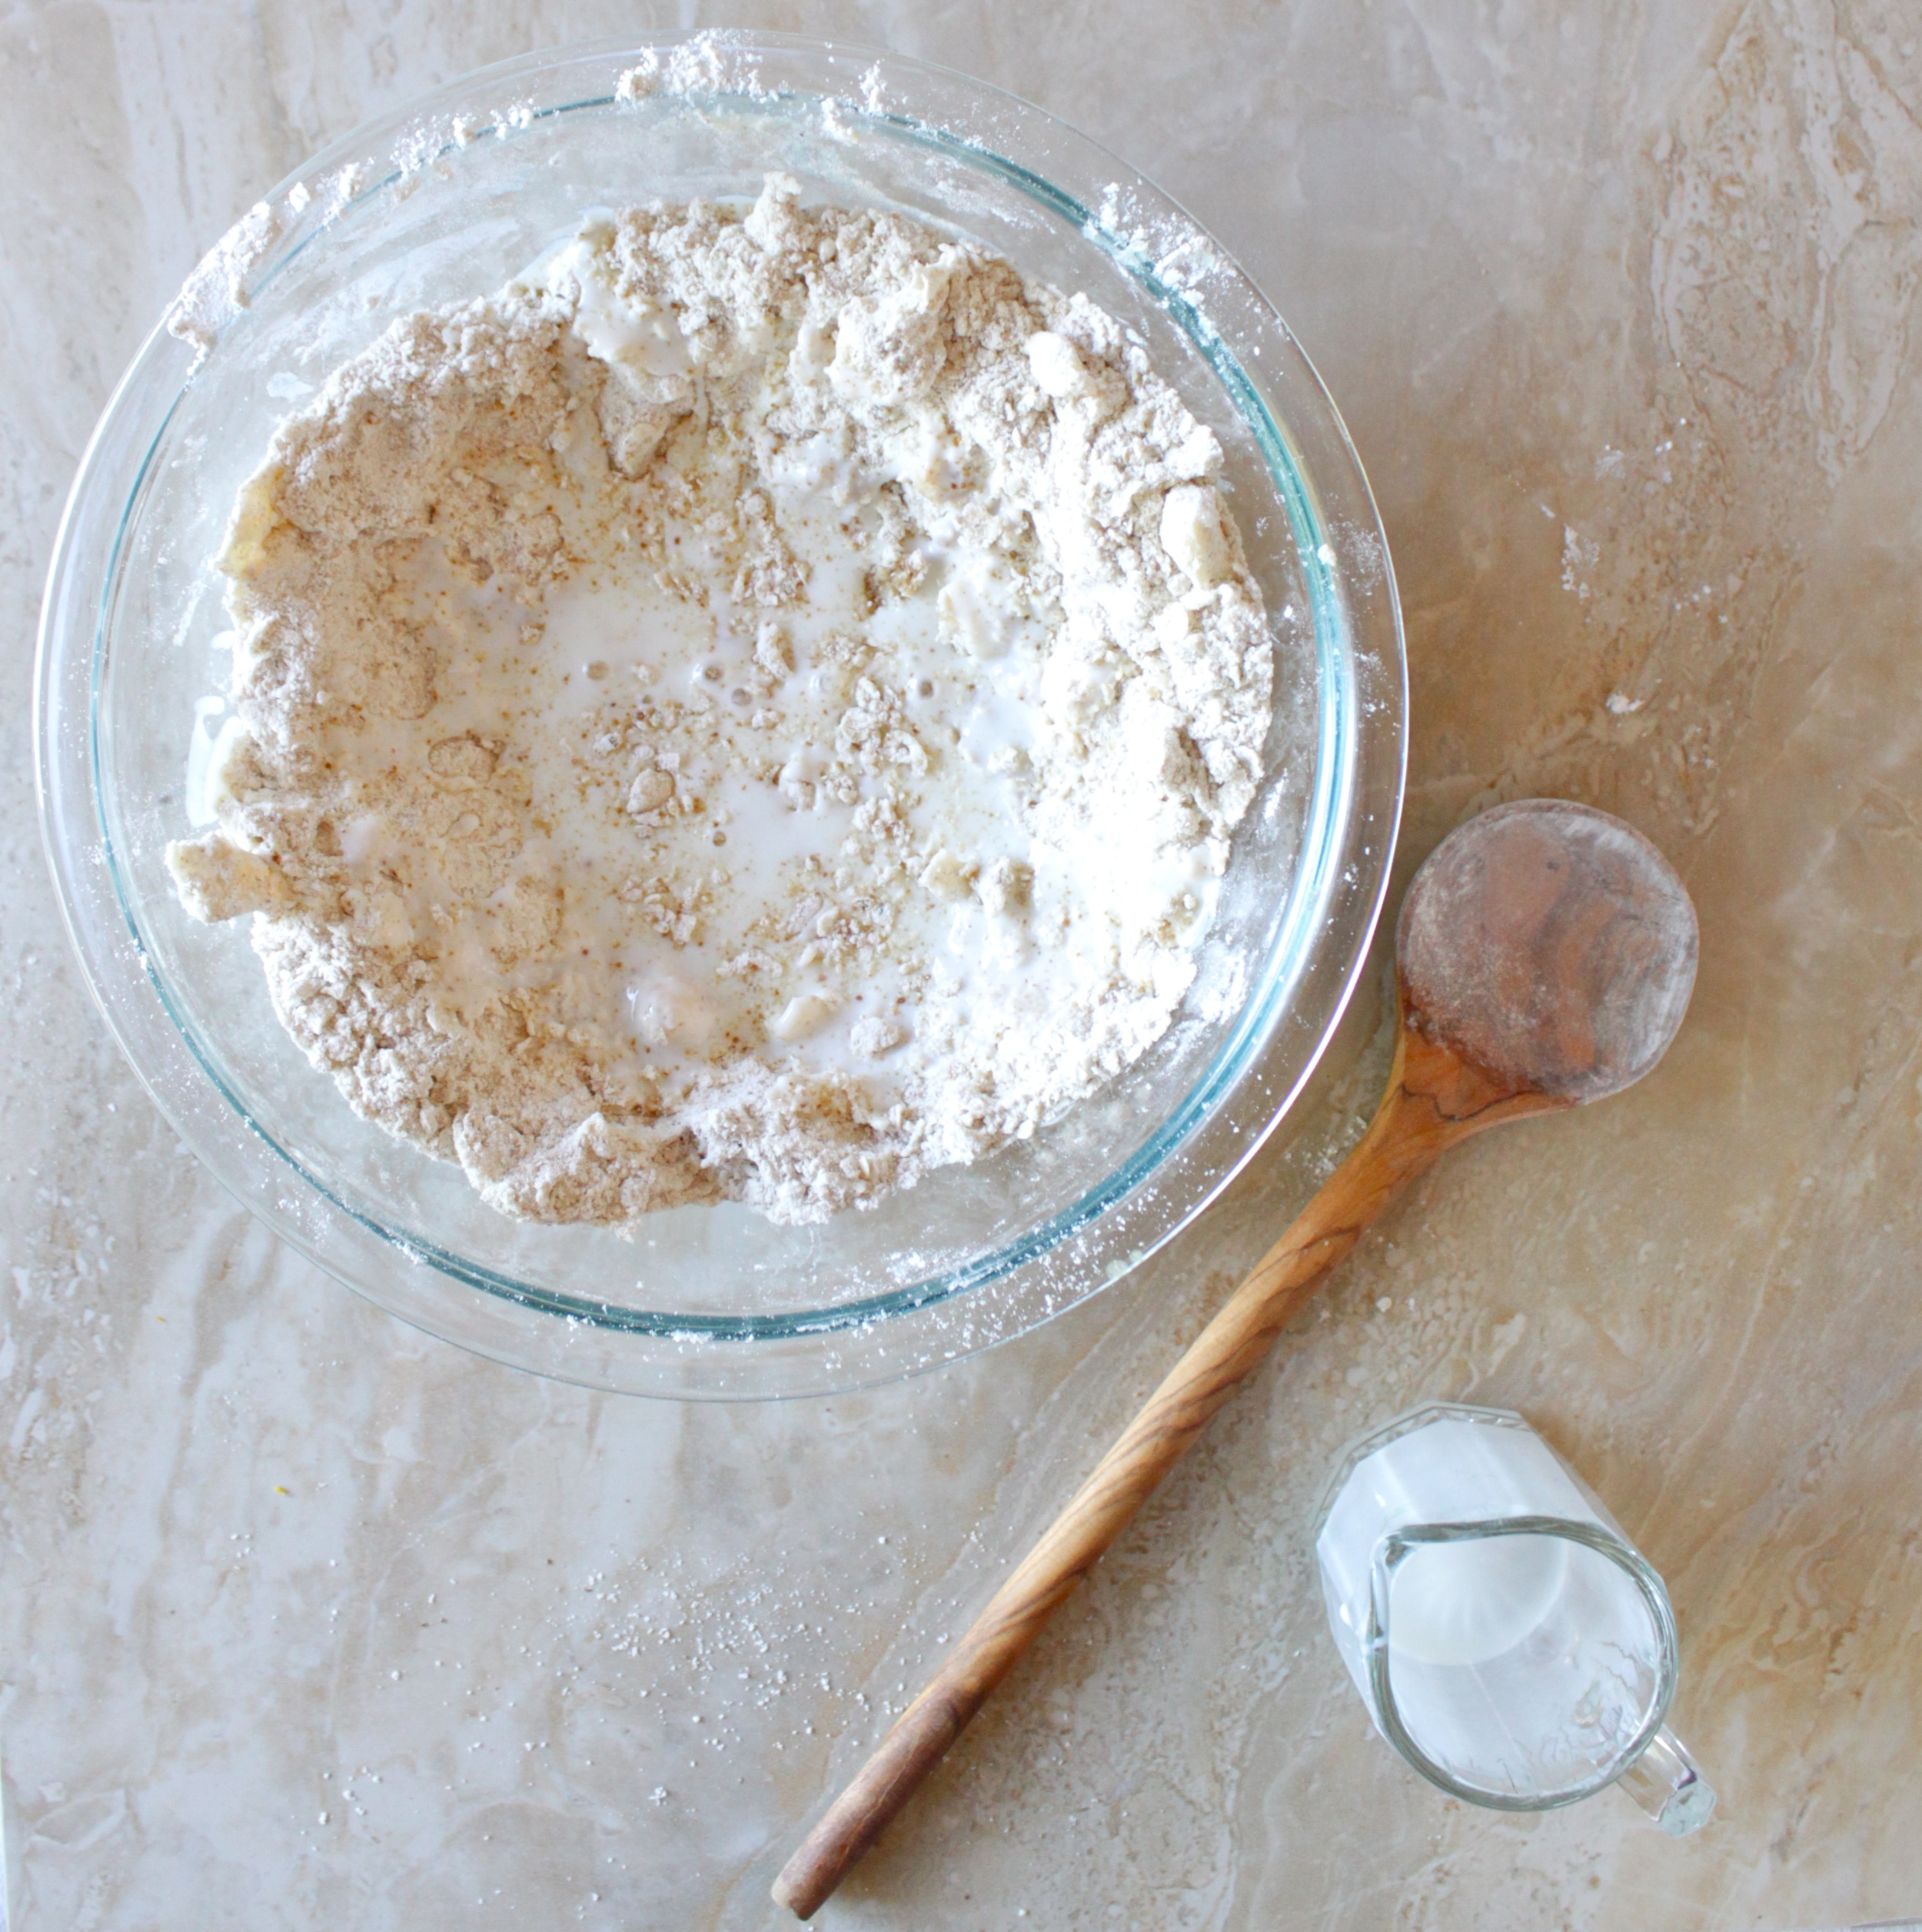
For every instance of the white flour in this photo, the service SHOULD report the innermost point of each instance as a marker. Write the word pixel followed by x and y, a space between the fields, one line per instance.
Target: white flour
pixel 754 710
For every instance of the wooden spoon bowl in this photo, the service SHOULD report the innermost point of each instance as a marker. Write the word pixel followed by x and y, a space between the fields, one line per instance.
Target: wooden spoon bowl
pixel 1550 944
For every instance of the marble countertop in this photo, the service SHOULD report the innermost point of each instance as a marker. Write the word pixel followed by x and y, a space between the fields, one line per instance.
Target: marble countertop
pixel 309 1619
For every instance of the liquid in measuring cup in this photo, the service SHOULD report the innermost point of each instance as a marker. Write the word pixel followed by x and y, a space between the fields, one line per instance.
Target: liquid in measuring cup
pixel 1508 1638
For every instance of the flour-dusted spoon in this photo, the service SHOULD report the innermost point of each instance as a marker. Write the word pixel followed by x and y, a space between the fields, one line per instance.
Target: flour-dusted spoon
pixel 1545 956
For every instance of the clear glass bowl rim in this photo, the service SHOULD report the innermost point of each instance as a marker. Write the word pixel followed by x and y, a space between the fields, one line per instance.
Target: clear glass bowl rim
pixel 850 1344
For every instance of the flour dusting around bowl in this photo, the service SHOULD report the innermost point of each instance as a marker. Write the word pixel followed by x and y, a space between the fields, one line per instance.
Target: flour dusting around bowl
pixel 754 710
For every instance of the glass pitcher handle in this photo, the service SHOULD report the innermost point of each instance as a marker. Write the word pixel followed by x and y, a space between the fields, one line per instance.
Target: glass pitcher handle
pixel 1666 1783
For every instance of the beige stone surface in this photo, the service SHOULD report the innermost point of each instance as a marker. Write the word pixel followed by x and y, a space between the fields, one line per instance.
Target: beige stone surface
pixel 306 1619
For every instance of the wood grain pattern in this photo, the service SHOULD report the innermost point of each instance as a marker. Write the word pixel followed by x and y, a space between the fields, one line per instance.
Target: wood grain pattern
pixel 1435 1098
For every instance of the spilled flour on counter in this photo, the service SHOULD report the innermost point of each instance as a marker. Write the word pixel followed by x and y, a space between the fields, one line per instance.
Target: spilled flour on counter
pixel 754 710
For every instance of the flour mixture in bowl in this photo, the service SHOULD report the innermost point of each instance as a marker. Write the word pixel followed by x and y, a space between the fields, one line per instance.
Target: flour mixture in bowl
pixel 754 710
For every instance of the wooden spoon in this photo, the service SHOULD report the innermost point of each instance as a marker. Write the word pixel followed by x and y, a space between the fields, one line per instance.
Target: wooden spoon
pixel 1544 957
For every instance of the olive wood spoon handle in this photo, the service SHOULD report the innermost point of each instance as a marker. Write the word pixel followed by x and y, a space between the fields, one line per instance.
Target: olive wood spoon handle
pixel 1545 954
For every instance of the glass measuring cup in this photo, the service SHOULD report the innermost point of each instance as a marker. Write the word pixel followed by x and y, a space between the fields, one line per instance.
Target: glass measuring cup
pixel 1507 1638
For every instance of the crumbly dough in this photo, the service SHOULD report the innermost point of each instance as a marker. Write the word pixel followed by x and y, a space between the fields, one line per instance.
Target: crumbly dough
pixel 754 710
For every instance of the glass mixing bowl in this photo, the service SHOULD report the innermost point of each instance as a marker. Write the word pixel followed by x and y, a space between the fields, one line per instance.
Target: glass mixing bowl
pixel 445 201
